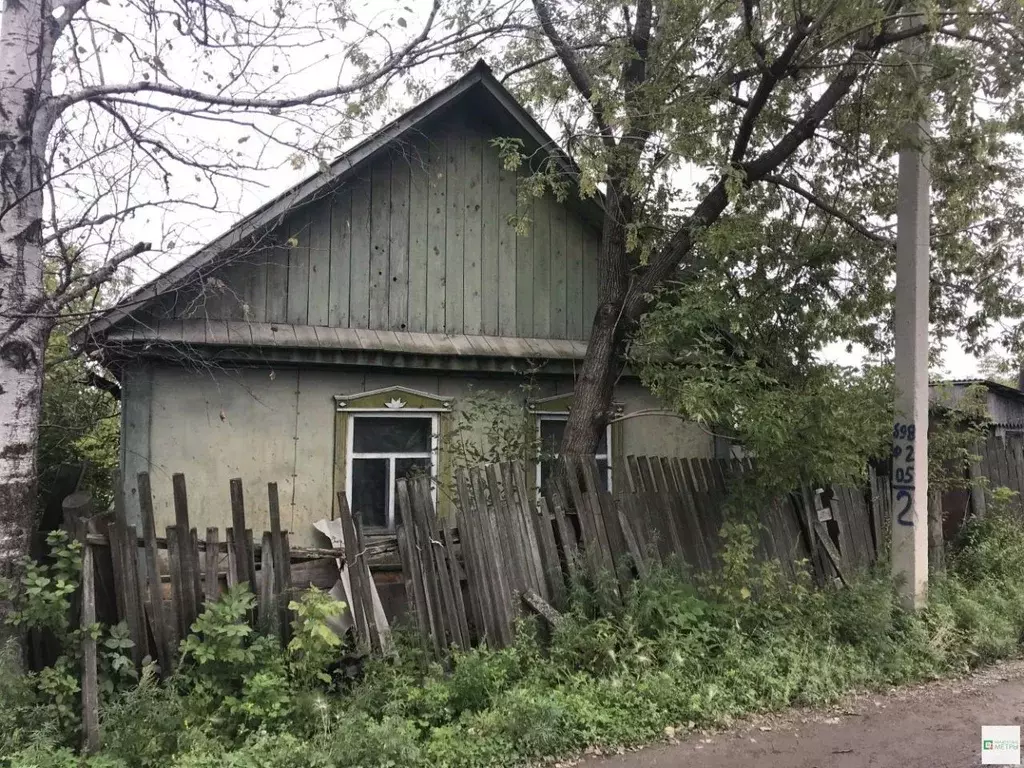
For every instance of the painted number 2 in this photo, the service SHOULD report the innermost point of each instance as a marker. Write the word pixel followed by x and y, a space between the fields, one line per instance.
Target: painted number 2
pixel 903 472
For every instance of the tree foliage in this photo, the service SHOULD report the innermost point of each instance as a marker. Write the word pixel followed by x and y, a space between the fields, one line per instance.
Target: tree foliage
pixel 748 150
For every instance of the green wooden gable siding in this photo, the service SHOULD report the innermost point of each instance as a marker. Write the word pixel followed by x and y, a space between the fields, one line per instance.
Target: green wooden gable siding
pixel 419 241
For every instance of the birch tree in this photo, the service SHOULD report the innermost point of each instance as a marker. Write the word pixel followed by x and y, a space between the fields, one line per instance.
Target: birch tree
pixel 746 151
pixel 125 119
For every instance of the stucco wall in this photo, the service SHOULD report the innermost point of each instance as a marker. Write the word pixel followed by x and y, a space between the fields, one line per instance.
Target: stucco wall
pixel 278 425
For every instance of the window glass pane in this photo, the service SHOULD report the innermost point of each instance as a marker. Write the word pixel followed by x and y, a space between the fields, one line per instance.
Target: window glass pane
pixel 370 491
pixel 409 468
pixel 551 431
pixel 391 435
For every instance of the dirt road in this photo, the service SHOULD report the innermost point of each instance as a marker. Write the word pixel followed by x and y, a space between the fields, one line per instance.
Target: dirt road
pixel 937 725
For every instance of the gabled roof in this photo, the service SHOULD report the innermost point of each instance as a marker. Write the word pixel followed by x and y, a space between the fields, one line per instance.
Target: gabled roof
pixel 479 80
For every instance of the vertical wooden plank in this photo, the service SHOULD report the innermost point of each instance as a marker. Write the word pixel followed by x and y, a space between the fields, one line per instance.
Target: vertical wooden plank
pixel 552 567
pixel 507 524
pixel 211 584
pixel 591 254
pixel 456 573
pixel 514 479
pixel 196 567
pixel 319 263
pixel 507 270
pixel 398 285
pixel 277 283
pixel 280 564
pixel 480 560
pixel 419 205
pixel 456 622
pixel 559 269
pixel 177 583
pixel 238 532
pixel 266 608
pixel 412 560
pixel 575 327
pixel 425 555
pixel 254 284
pixel 158 618
pixel 413 586
pixel 341 258
pixel 542 302
pixel 380 242
pixel 473 242
pixel 136 594
pixel 360 264
pixel 181 523
pixel 469 548
pixel 490 236
pixel 501 571
pixel 229 543
pixel 566 533
pixel 90 680
pixel 298 268
pixel 455 231
pixel 355 575
pixel 437 220
pixel 250 551
pixel 524 269
pixel 285 572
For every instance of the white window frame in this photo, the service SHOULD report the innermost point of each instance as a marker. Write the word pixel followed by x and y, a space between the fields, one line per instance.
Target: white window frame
pixel 564 416
pixel 433 454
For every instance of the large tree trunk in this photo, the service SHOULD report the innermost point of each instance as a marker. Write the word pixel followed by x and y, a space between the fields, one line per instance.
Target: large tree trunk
pixel 27 30
pixel 595 384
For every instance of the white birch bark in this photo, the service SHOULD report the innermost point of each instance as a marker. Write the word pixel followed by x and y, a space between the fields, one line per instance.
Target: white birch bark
pixel 26 33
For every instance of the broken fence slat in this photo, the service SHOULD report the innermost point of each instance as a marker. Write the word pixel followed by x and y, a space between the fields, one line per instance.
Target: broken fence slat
pixel 161 628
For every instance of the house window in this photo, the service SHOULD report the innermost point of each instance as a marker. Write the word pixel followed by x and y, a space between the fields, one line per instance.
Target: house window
pixel 550 429
pixel 384 448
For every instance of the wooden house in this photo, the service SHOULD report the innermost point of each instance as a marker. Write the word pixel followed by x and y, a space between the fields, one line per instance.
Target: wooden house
pixel 330 340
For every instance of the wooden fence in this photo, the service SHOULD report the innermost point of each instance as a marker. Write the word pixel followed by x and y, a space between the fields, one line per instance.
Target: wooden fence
pixel 510 547
pixel 158 585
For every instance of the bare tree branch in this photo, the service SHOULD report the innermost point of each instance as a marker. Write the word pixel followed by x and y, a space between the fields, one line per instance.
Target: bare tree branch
pixel 831 210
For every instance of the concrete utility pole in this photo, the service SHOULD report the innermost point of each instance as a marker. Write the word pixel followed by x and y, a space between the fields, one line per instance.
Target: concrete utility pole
pixel 910 430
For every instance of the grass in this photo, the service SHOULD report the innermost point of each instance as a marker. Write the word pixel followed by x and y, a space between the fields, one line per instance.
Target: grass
pixel 676 653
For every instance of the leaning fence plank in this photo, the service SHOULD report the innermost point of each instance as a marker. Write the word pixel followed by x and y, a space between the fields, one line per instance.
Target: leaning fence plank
pixel 501 573
pixel 182 528
pixel 477 585
pixel 490 560
pixel 281 568
pixel 511 544
pixel 174 563
pixel 136 593
pixel 635 552
pixel 380 637
pixel 455 620
pixel 552 568
pixel 122 551
pixel 250 551
pixel 566 533
pixel 830 549
pixel 232 547
pixel 413 587
pixel 515 485
pixel 90 682
pixel 457 574
pixel 238 526
pixel 158 619
pixel 197 573
pixel 210 586
pixel 432 580
pixel 267 605
pixel 635 480
pixel 355 576
pixel 424 610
